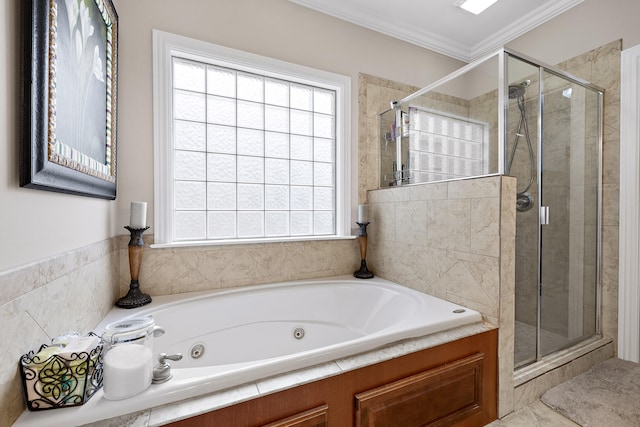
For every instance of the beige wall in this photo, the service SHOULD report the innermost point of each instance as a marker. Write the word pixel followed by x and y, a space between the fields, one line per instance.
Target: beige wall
pixel 41 224
pixel 35 224
pixel 276 28
pixel 587 26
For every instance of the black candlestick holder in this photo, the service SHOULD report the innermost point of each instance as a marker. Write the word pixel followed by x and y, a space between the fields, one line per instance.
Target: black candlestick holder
pixel 363 272
pixel 135 297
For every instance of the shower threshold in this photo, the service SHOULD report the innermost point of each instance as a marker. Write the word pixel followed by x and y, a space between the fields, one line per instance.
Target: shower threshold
pixel 557 359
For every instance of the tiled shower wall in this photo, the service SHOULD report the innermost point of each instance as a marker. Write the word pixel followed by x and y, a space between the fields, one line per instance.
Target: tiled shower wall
pixel 570 187
pixel 454 240
pixel 398 256
pixel 443 239
pixel 601 67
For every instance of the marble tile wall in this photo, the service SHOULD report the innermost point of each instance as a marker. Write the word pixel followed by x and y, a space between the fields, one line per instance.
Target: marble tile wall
pixel 454 240
pixel 374 97
pixel 485 108
pixel 440 238
pixel 601 67
pixel 75 290
pixel 72 291
pixel 188 269
pixel 482 108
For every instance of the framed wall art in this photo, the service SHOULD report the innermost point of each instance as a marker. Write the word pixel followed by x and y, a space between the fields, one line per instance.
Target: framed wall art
pixel 69 97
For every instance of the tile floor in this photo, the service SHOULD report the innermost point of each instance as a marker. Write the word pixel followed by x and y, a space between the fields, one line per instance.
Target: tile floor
pixel 535 415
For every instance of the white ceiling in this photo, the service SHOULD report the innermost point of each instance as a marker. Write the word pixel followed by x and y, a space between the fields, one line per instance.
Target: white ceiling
pixel 441 26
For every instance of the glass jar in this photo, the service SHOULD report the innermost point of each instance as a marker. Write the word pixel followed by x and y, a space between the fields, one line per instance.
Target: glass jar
pixel 128 357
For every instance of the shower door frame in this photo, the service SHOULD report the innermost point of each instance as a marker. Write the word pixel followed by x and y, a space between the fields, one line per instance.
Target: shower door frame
pixel 539 171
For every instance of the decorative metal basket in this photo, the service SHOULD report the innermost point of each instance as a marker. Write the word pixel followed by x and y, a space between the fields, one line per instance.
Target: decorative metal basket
pixel 57 381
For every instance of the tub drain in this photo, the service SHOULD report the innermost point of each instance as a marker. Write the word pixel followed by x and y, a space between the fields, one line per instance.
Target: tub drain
pixel 459 310
pixel 197 351
pixel 298 333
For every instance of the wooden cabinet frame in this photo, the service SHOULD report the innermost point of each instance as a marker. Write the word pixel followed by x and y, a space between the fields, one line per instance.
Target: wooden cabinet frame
pixel 465 368
pixel 437 397
pixel 316 417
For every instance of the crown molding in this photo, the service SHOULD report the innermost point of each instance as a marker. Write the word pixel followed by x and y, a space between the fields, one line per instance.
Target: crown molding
pixel 380 24
pixel 435 42
pixel 523 25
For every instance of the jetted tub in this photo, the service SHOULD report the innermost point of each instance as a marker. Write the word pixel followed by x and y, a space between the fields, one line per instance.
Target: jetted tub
pixel 231 337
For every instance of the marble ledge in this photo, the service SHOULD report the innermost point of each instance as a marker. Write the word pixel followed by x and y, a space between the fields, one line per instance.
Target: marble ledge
pixel 177 411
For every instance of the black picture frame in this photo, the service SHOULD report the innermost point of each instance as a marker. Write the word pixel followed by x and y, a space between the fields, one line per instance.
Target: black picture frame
pixel 69 97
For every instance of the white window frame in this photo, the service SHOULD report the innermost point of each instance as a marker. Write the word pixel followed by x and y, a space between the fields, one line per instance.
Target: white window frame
pixel 165 47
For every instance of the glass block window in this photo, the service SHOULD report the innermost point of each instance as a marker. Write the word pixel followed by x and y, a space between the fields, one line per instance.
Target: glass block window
pixel 254 156
pixel 444 147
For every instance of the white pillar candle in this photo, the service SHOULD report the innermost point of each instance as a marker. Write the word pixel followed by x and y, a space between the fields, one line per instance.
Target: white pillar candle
pixel 362 214
pixel 138 215
pixel 128 370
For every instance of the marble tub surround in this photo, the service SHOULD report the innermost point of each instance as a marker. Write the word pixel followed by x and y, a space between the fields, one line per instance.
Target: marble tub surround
pixel 87 281
pixel 442 239
pixel 70 291
pixel 168 271
pixel 343 316
pixel 453 240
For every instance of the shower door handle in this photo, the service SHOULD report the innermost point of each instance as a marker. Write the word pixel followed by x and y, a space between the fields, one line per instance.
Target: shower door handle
pixel 544 215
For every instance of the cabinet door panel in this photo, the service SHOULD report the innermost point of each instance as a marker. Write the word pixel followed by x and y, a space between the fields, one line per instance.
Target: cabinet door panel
pixel 436 397
pixel 316 417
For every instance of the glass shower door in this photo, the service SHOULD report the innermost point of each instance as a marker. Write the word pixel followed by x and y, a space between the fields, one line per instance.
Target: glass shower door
pixel 568 195
pixel 522 163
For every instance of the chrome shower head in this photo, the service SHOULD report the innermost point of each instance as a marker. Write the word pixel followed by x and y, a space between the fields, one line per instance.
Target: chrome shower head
pixel 517 91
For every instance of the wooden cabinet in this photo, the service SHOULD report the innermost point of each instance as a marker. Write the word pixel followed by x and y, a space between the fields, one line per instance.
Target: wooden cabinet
pixel 316 417
pixel 454 384
pixel 437 397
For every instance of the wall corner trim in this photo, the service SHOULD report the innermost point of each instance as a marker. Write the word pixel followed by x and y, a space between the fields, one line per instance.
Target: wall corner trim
pixel 629 241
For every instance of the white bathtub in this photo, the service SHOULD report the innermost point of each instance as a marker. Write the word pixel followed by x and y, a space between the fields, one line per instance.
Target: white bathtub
pixel 253 332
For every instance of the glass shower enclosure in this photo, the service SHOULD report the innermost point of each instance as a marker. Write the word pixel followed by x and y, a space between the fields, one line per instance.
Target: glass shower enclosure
pixel 509 114
pixel 554 128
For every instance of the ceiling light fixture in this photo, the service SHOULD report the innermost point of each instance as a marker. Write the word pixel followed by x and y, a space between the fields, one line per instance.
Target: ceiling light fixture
pixel 475 6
